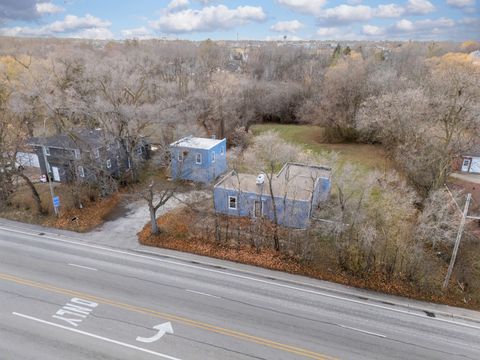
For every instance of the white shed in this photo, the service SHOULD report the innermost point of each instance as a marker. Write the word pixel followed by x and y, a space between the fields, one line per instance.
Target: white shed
pixel 471 164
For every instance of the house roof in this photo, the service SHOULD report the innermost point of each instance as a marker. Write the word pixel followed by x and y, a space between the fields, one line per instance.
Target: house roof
pixel 295 181
pixel 472 155
pixel 196 143
pixel 75 139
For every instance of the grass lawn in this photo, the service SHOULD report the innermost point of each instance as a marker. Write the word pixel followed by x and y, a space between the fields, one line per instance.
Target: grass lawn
pixel 370 157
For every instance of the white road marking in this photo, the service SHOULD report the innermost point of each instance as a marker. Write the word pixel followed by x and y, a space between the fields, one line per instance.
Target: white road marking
pixel 97 337
pixel 362 331
pixel 123 252
pixel 76 309
pixel 162 329
pixel 202 293
pixel 83 267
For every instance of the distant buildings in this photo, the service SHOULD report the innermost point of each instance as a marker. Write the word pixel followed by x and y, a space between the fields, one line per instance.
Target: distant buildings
pixel 297 190
pixel 198 159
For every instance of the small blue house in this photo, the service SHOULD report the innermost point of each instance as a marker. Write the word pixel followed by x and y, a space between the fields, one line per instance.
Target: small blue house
pixel 198 159
pixel 297 190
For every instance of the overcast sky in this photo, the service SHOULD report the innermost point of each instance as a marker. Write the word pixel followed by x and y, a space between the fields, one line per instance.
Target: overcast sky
pixel 227 19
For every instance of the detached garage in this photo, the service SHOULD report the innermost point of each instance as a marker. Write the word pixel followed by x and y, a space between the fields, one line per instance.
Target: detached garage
pixel 471 164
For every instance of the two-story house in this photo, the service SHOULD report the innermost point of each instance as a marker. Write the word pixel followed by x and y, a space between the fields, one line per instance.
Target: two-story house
pixel 82 154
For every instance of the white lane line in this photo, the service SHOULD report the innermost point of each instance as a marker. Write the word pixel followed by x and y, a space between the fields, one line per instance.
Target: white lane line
pixel 83 267
pixel 336 297
pixel 202 293
pixel 97 337
pixel 362 331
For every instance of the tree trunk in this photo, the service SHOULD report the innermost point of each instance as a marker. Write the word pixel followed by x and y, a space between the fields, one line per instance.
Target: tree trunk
pixel 153 221
pixel 36 196
pixel 276 241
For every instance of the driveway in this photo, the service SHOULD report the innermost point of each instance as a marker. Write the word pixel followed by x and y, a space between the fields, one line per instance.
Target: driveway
pixel 121 231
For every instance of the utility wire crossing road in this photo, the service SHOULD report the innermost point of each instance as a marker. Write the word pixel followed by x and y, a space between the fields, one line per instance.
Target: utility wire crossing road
pixel 105 303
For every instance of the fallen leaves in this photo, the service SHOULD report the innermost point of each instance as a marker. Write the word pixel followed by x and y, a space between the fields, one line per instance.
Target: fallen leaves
pixel 179 232
pixel 85 219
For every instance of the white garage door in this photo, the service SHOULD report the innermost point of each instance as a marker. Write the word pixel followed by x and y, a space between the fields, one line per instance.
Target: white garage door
pixel 475 167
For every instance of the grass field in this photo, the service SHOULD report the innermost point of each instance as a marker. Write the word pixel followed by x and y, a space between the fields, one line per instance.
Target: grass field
pixel 370 157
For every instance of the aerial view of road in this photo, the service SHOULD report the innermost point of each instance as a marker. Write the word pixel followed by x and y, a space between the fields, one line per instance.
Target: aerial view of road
pixel 62 299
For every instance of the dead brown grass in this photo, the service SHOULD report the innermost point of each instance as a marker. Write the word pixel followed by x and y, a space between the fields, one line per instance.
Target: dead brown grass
pixel 92 214
pixel 89 217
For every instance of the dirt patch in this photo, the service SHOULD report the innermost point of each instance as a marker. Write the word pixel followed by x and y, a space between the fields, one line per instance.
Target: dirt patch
pixel 179 234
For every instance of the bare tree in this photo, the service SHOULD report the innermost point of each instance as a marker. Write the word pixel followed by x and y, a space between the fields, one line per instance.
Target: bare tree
pixel 156 196
pixel 267 155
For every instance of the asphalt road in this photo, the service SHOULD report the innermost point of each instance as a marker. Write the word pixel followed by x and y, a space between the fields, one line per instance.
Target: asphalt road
pixel 66 300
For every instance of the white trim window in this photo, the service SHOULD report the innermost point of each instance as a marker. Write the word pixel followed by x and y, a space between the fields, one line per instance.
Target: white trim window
pixel 180 156
pixel 232 203
pixel 221 150
pixel 96 153
pixel 46 150
pixel 77 154
pixel 213 157
pixel 198 159
pixel 109 164
pixel 81 171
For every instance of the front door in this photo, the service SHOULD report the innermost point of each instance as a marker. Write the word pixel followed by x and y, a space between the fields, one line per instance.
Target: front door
pixel 56 173
pixel 258 209
pixel 466 165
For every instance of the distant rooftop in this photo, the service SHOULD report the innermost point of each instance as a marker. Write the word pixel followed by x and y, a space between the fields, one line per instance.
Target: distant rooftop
pixel 295 181
pixel 74 139
pixel 196 142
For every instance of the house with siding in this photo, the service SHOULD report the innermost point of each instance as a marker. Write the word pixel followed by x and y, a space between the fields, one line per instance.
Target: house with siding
pixel 198 159
pixel 79 155
pixel 297 190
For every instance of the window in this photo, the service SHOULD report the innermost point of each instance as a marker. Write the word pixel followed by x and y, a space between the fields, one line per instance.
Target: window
pixel 221 150
pixel 213 156
pixel 96 153
pixel 180 156
pixel 198 158
pixel 140 150
pixel 81 172
pixel 232 202
pixel 46 150
pixel 108 147
pixel 466 162
pixel 109 164
pixel 77 153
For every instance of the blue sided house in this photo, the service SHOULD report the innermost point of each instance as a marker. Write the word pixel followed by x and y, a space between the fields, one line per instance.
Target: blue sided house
pixel 297 190
pixel 198 159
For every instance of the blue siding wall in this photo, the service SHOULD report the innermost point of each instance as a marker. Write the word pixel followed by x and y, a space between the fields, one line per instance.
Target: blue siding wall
pixel 290 213
pixel 212 166
pixel 322 191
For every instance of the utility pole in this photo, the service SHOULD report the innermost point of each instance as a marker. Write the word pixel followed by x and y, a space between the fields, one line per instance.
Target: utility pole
pixel 457 242
pixel 47 167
